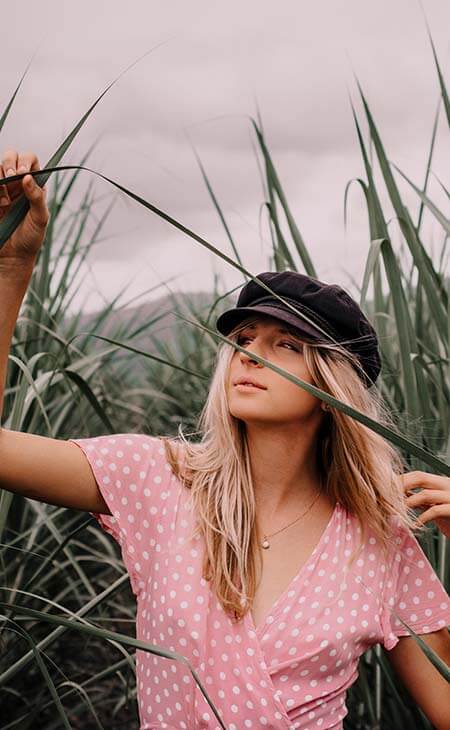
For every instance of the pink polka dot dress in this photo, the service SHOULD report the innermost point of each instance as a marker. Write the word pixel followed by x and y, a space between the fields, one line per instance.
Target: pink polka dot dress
pixel 293 670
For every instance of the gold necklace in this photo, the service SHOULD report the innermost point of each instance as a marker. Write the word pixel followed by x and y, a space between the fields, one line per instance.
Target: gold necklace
pixel 266 544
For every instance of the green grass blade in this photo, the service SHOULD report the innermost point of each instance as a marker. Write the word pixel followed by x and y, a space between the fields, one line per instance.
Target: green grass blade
pixel 415 391
pixel 428 168
pixel 274 180
pixel 150 356
pixel 377 224
pixel 21 207
pixel 282 256
pixel 442 85
pixel 440 217
pixel 431 281
pixel 5 114
pixel 217 206
pixel 62 200
pixel 56 551
pixel 371 263
pixel 90 396
pixel 18 415
pixel 45 674
pixel 346 192
pixel 97 677
pixel 22 662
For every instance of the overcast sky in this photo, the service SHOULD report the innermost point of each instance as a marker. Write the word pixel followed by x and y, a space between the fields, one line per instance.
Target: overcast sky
pixel 198 87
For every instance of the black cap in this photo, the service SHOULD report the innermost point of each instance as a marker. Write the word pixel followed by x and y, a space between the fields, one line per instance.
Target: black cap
pixel 327 305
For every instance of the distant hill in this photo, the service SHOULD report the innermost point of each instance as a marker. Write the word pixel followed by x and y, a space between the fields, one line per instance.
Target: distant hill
pixel 121 323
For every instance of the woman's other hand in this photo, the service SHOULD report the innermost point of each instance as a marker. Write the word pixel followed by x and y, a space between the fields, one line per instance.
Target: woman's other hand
pixel 433 498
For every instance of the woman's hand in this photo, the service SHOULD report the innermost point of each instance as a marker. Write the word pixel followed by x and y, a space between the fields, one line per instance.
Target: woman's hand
pixel 29 236
pixel 434 497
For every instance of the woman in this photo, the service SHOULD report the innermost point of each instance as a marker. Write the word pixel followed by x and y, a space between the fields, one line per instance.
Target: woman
pixel 276 550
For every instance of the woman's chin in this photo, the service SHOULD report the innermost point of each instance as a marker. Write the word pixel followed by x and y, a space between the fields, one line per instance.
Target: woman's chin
pixel 249 415
pixel 249 407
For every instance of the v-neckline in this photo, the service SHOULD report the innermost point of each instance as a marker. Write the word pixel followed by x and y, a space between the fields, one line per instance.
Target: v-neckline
pixel 277 603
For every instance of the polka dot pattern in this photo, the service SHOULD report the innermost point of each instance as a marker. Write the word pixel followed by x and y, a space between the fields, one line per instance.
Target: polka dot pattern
pixel 293 670
pixel 413 593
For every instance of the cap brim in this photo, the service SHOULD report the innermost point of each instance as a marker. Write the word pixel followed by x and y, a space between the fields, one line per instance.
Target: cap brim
pixel 232 317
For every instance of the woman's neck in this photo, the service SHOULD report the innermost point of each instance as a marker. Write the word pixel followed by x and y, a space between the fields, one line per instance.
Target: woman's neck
pixel 284 467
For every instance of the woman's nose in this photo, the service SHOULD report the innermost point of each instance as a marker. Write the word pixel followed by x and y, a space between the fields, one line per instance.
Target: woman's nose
pixel 249 358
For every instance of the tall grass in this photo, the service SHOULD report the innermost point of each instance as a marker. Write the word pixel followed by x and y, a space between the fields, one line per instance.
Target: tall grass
pixel 68 613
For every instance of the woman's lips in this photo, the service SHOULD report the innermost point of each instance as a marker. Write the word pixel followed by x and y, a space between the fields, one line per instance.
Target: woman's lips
pixel 248 386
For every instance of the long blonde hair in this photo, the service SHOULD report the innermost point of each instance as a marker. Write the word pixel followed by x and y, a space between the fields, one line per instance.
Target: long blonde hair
pixel 358 467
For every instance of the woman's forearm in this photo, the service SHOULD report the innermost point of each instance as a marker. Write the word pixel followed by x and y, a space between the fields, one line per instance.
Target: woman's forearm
pixel 15 275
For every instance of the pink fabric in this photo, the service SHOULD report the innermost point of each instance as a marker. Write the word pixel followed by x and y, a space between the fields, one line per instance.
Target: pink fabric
pixel 293 670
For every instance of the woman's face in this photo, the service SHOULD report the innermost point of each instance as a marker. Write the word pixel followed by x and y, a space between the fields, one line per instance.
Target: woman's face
pixel 278 400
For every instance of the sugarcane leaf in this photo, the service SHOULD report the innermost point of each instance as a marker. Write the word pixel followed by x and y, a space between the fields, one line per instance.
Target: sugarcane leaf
pixel 443 220
pixel 18 211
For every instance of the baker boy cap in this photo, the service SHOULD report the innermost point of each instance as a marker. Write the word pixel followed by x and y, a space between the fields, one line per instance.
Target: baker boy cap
pixel 327 305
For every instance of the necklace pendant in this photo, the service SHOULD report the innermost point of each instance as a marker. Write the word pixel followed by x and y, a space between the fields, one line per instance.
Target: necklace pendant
pixel 265 543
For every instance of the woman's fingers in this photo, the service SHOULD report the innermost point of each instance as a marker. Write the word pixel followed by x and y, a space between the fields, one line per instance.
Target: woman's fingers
pixel 13 164
pixel 27 162
pixel 414 479
pixel 9 165
pixel 4 197
pixel 433 498
pixel 36 195
pixel 427 496
pixel 437 512
pixel 29 235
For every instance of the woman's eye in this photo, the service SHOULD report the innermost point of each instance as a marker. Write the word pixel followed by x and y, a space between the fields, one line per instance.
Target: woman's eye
pixel 242 338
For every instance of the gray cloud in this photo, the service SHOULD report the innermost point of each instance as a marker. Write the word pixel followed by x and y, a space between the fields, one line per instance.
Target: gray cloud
pixel 296 58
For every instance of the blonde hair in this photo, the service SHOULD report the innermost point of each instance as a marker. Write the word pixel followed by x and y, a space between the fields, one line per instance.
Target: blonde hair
pixel 358 467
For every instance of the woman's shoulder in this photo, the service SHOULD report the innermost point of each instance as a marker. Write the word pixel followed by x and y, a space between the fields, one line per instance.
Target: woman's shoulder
pixel 132 454
pixel 395 533
pixel 182 457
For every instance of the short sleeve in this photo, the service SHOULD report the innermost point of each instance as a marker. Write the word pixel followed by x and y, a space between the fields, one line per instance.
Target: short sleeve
pixel 413 592
pixel 127 469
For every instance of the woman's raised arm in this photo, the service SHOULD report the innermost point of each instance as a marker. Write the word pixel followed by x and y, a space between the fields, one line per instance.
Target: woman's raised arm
pixel 50 470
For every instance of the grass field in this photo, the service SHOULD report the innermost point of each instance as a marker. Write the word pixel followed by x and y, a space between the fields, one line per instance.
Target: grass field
pixel 66 657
